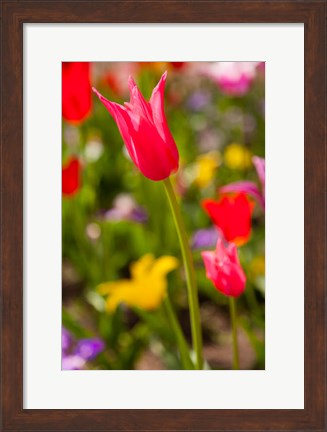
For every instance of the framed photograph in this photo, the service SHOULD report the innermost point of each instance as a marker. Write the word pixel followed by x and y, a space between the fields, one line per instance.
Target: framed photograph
pixel 129 279
pixel 163 215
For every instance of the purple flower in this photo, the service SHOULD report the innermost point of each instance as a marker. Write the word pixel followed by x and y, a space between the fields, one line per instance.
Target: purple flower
pixel 75 354
pixel 72 362
pixel 125 208
pixel 198 100
pixel 249 187
pixel 88 349
pixel 205 238
pixel 66 339
pixel 138 214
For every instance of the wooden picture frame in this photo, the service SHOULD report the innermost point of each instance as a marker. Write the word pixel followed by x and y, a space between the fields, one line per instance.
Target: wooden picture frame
pixel 14 15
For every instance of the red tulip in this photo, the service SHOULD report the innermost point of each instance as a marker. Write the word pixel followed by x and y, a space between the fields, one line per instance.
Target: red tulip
pixel 71 177
pixel 232 215
pixel 76 91
pixel 144 129
pixel 224 270
pixel 177 65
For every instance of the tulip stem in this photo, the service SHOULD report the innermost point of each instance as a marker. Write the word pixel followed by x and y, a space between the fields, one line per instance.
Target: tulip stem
pixel 190 274
pixel 182 344
pixel 232 308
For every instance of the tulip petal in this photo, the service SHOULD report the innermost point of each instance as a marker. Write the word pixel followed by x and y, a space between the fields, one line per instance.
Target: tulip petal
pixel 76 91
pixel 209 262
pixel 246 187
pixel 137 102
pixel 232 215
pixel 220 250
pixel 224 270
pixel 123 121
pixel 159 118
pixel 260 166
pixel 71 173
pixel 157 100
pixel 149 149
pixel 232 254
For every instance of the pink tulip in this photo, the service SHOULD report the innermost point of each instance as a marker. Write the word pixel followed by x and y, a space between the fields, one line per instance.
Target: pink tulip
pixel 224 270
pixel 144 129
pixel 260 166
pixel 233 78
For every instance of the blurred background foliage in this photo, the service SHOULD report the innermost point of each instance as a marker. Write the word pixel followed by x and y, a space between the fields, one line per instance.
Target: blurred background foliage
pixel 112 215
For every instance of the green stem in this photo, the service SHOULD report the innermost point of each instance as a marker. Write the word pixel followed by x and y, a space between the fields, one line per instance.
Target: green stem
pixel 232 308
pixel 182 344
pixel 190 274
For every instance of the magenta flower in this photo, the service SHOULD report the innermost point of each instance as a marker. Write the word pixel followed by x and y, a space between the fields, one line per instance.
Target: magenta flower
pixel 233 78
pixel 260 166
pixel 144 129
pixel 249 187
pixel 224 269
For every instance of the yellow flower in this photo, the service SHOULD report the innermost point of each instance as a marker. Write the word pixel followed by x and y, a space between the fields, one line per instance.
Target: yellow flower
pixel 238 157
pixel 205 167
pixel 257 266
pixel 147 287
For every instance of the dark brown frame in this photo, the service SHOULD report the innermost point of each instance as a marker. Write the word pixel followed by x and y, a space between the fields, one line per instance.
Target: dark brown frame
pixel 14 15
